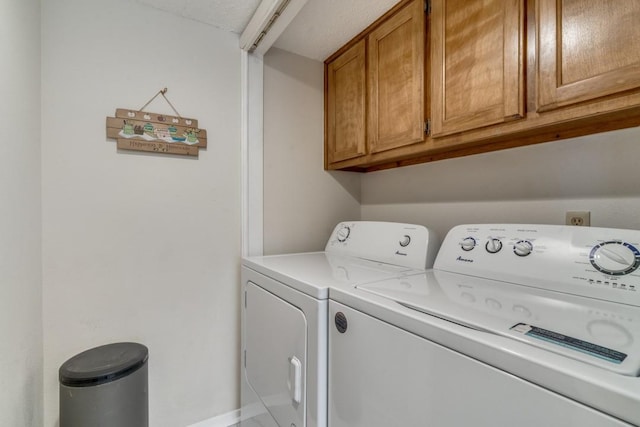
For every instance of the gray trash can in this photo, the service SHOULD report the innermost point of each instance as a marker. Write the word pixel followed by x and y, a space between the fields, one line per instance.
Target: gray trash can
pixel 106 386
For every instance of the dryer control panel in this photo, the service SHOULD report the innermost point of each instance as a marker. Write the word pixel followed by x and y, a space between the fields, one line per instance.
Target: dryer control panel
pixel 407 245
pixel 593 262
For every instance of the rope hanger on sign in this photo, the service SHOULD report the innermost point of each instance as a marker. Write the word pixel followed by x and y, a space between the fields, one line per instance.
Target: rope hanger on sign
pixel 161 92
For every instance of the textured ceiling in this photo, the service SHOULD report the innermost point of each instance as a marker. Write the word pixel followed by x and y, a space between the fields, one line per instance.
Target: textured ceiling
pixel 229 15
pixel 321 27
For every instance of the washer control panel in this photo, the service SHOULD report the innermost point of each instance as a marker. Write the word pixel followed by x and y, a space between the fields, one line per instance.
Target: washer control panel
pixel 601 263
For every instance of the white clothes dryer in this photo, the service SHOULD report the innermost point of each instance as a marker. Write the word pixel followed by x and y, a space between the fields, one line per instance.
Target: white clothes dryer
pixel 285 315
pixel 516 325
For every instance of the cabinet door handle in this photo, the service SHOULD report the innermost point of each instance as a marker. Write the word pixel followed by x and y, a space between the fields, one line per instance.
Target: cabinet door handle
pixel 295 379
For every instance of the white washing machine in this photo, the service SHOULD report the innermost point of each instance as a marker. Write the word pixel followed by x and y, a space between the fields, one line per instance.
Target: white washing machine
pixel 516 325
pixel 285 315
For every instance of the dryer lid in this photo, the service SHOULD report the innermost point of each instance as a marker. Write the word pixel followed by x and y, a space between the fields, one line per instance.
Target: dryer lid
pixel 313 273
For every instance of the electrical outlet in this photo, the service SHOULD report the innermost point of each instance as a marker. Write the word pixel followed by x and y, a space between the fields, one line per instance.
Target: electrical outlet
pixel 578 218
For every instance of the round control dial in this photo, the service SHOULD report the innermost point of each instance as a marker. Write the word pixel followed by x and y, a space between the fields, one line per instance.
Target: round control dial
pixel 615 258
pixel 343 233
pixel 493 245
pixel 404 242
pixel 468 243
pixel 523 248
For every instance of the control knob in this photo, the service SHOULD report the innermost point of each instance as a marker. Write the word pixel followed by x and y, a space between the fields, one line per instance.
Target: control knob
pixel 615 258
pixel 404 242
pixel 468 243
pixel 343 233
pixel 523 248
pixel 493 245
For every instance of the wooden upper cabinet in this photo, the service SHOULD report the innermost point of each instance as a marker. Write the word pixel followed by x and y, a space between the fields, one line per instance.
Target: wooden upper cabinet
pixel 345 105
pixel 586 50
pixel 396 80
pixel 477 63
pixel 469 66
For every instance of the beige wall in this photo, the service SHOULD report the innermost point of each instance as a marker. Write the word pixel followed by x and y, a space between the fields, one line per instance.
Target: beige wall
pixel 20 219
pixel 302 202
pixel 136 246
pixel 534 184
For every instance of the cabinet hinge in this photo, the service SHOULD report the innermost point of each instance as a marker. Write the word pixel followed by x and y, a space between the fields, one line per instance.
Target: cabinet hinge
pixel 427 7
pixel 427 127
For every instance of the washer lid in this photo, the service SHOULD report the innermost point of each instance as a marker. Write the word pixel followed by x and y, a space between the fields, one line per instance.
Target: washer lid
pixel 103 364
pixel 597 332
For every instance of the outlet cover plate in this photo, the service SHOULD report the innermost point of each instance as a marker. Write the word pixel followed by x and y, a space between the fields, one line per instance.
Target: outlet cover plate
pixel 578 218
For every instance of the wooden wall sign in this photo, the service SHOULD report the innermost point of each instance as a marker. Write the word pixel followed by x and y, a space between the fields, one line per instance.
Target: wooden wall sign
pixel 158 133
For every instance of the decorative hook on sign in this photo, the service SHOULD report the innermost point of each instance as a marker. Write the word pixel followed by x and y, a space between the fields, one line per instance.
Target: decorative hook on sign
pixel 161 92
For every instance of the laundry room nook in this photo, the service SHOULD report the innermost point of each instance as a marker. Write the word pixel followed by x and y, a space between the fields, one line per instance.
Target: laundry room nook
pixel 371 198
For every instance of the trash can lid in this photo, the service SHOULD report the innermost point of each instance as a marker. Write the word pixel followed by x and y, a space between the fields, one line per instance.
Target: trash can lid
pixel 103 364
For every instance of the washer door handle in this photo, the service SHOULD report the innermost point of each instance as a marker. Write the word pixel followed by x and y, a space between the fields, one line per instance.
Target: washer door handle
pixel 295 379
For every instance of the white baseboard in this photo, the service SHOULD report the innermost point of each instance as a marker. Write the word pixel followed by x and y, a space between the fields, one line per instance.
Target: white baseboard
pixel 224 420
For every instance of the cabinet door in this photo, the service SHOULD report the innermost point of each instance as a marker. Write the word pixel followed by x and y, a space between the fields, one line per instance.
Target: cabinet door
pixel 396 80
pixel 586 50
pixel 477 63
pixel 346 104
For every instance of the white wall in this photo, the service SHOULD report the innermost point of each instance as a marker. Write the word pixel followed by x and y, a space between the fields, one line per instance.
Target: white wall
pixel 20 229
pixel 136 246
pixel 302 202
pixel 534 184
